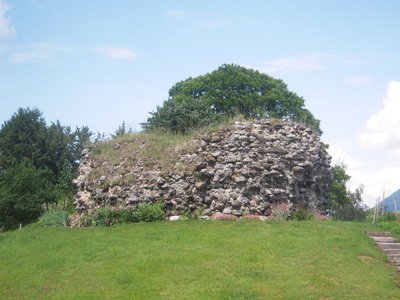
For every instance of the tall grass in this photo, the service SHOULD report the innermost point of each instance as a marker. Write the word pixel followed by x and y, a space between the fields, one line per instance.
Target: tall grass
pixel 158 146
pixel 55 215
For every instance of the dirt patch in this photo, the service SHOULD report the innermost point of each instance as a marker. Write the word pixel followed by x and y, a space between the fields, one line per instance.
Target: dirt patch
pixel 366 259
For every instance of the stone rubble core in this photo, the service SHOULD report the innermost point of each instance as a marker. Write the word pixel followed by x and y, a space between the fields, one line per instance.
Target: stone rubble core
pixel 239 169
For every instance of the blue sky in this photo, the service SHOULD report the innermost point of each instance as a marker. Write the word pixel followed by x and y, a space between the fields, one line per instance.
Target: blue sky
pixel 98 63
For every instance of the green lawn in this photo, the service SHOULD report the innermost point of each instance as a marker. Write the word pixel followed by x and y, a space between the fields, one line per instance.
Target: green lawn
pixel 196 260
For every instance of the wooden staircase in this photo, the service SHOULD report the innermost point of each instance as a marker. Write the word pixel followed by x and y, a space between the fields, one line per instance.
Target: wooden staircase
pixel 389 245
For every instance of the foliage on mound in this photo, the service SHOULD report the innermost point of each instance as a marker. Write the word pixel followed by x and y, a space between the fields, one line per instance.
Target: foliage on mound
pixel 158 149
pixel 229 90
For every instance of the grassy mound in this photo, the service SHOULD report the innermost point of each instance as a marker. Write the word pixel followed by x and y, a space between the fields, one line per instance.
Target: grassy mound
pixel 196 259
pixel 154 147
pixel 153 150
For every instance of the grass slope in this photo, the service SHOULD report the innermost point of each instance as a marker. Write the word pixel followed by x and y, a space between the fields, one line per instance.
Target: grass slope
pixel 196 259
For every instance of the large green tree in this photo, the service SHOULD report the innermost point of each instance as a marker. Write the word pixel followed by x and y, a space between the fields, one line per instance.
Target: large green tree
pixel 227 91
pixel 344 204
pixel 37 164
pixel 27 138
pixel 23 191
pixel 23 138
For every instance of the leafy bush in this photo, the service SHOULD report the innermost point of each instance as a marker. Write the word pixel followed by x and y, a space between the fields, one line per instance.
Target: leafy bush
pixel 349 212
pixel 107 216
pixel 150 212
pixel 345 205
pixel 393 227
pixel 37 165
pixel 390 216
pixel 23 191
pixel 301 214
pixel 181 116
pixel 129 216
pixel 55 215
pixel 87 221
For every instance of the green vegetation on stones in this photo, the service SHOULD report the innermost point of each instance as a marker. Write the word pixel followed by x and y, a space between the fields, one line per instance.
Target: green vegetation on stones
pixel 301 214
pixel 156 149
pixel 145 212
pixel 150 212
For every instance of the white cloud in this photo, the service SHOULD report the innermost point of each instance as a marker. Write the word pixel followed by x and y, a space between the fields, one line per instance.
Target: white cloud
pixel 376 164
pixel 214 22
pixel 178 13
pixel 36 52
pixel 51 52
pixel 358 80
pixel 339 155
pixel 304 63
pixel 386 180
pixel 6 28
pixel 199 19
pixel 382 130
pixel 376 174
pixel 36 3
pixel 116 52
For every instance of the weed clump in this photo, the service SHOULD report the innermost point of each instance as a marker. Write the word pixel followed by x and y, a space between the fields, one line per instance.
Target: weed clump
pixel 301 214
pixel 393 227
pixel 145 212
pixel 55 215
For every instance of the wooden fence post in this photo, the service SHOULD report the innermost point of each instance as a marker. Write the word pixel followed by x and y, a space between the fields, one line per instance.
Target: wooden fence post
pixel 375 210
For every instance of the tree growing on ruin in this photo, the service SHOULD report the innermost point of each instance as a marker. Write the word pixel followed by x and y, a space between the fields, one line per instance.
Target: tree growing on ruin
pixel 225 92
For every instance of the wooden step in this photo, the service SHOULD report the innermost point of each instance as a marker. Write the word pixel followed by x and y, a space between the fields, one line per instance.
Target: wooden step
pixel 394 256
pixel 385 246
pixel 395 262
pixel 391 251
pixel 378 233
pixel 389 245
pixel 384 239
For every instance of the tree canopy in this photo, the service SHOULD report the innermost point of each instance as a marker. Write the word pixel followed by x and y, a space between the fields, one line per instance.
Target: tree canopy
pixel 27 138
pixel 344 204
pixel 37 164
pixel 227 91
pixel 23 191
